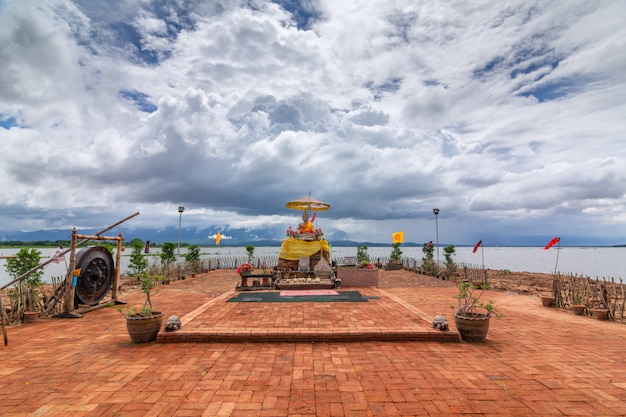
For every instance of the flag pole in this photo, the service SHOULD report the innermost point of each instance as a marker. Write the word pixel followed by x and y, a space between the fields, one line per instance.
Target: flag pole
pixel 558 249
pixel 482 252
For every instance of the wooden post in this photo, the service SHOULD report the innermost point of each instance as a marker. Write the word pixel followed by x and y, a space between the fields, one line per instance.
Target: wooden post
pixel 69 278
pixel 118 257
pixel 3 322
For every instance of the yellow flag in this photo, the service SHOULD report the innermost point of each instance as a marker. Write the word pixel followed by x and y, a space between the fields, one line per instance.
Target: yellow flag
pixel 398 237
pixel 218 237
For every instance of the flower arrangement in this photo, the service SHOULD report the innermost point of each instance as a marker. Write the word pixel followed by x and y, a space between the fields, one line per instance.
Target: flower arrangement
pixel 291 232
pixel 244 268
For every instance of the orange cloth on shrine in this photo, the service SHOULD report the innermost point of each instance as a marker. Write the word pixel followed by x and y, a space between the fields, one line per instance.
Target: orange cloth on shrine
pixel 307 228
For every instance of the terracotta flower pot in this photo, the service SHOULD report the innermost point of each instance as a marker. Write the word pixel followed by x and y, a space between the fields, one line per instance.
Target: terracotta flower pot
pixel 547 300
pixel 144 329
pixel 579 310
pixel 601 313
pixel 472 328
pixel 31 316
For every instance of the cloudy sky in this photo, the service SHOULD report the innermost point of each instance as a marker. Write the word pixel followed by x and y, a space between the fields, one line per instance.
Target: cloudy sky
pixel 507 116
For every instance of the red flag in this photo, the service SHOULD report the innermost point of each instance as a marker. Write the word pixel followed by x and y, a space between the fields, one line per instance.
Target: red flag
pixel 476 246
pixel 552 243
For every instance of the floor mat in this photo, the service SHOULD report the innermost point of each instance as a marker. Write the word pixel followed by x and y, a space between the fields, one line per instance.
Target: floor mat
pixel 275 297
pixel 300 293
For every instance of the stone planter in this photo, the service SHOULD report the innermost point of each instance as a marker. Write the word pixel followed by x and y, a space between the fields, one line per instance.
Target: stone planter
pixel 579 310
pixel 472 328
pixel 393 266
pixel 144 329
pixel 358 277
pixel 547 300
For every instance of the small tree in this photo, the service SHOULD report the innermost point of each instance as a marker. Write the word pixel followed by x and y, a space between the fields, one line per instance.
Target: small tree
pixel 448 252
pixel 250 250
pixel 25 260
pixel 193 256
pixel 396 253
pixel 427 261
pixel 361 255
pixel 167 253
pixel 138 261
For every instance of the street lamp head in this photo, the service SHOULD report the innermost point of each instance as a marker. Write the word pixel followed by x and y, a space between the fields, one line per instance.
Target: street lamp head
pixel 181 209
pixel 436 211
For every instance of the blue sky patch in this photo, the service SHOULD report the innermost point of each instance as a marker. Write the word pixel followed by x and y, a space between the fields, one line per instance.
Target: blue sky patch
pixel 304 16
pixel 141 100
pixel 7 122
pixel 553 90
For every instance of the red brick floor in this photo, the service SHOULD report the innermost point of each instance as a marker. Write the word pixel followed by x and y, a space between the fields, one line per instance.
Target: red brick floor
pixel 537 361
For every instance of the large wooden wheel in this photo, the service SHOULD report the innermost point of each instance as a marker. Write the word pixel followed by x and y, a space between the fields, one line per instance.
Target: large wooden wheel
pixel 97 272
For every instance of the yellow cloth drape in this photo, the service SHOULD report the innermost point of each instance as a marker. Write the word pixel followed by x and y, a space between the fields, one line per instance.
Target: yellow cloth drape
pixel 292 249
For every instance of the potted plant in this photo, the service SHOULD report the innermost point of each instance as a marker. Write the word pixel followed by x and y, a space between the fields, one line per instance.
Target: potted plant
pixel 143 324
pixel 472 315
pixel 244 269
pixel 578 306
pixel 395 258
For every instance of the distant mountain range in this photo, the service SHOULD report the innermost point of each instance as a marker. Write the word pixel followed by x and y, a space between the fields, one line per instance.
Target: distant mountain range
pixel 270 236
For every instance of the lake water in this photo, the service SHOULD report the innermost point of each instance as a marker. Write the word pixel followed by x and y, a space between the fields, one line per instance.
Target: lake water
pixel 589 261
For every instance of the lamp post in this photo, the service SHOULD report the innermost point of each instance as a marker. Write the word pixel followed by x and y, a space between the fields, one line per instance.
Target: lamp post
pixel 436 213
pixel 180 218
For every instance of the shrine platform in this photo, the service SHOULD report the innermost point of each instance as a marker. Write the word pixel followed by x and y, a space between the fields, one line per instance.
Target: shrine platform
pixel 384 317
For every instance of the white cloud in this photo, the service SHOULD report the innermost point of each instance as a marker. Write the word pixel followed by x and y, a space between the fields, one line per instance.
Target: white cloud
pixel 511 112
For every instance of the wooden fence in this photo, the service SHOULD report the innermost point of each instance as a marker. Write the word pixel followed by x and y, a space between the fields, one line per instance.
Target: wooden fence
pixel 606 293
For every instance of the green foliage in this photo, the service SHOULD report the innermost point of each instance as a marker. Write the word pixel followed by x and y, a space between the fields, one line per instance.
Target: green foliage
pixel 504 272
pixel 193 257
pixel 147 284
pixel 25 260
pixel 250 250
pixel 396 253
pixel 427 260
pixel 193 254
pixel 136 241
pixel 167 253
pixel 448 252
pixel 36 243
pixel 362 255
pixel 468 301
pixel 108 246
pixel 578 299
pixel 138 261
